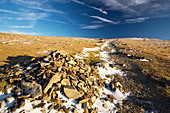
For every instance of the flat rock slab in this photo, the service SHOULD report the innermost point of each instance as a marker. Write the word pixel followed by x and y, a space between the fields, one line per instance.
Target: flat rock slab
pixel 71 92
pixel 54 79
pixel 33 89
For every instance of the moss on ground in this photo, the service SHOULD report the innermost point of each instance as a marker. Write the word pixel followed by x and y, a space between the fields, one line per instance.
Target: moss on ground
pixel 92 59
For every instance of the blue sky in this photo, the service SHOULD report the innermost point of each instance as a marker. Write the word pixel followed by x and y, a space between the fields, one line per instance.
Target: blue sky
pixel 87 18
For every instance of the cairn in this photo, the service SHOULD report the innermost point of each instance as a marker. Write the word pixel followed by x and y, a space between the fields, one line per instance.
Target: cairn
pixel 42 78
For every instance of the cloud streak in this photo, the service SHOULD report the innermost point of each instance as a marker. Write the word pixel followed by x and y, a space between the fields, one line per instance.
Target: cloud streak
pixel 95 8
pixel 54 21
pixel 20 32
pixel 102 11
pixel 42 5
pixel 136 20
pixel 26 15
pixel 29 26
pixel 30 16
pixel 137 8
pixel 119 5
pixel 9 11
pixel 92 27
pixel 104 20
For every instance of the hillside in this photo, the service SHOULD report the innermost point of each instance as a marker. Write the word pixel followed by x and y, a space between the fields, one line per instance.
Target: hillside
pixel 125 75
pixel 26 46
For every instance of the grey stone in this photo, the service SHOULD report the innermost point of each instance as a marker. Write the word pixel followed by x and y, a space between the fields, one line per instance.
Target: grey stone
pixel 33 89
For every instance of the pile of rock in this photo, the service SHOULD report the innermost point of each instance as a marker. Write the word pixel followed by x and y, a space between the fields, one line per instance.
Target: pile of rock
pixel 41 79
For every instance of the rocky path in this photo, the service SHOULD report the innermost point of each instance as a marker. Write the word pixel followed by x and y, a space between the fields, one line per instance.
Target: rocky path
pixel 146 93
pixel 63 83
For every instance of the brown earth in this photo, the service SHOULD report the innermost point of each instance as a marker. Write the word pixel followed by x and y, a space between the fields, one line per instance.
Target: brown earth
pixel 148 82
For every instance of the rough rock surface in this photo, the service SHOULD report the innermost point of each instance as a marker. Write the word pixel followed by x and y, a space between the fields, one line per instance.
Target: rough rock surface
pixel 71 92
pixel 33 89
pixel 46 77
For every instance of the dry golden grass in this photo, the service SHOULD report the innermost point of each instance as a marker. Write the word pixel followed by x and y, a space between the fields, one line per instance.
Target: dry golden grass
pixel 157 51
pixel 22 47
pixel 92 59
pixel 154 50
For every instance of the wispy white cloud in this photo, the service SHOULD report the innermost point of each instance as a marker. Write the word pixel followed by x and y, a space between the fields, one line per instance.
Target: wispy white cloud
pixel 26 15
pixel 54 21
pixel 9 11
pixel 61 1
pixel 20 32
pixel 9 18
pixel 136 20
pixel 137 2
pixel 92 27
pixel 102 11
pixel 43 5
pixel 105 20
pixel 97 22
pixel 29 2
pixel 32 16
pixel 137 8
pixel 49 10
pixel 95 8
pixel 29 26
pixel 2 1
pixel 119 5
pixel 79 2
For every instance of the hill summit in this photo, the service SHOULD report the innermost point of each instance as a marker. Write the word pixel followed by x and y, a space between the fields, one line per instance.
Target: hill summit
pixel 62 80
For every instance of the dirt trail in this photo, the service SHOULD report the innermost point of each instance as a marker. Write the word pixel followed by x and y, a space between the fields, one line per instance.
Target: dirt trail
pixel 146 93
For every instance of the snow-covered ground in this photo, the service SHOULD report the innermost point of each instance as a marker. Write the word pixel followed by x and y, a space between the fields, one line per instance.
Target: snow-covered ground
pixel 103 71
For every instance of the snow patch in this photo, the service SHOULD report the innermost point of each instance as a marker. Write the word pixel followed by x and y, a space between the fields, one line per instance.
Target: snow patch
pixel 4 43
pixel 70 102
pixel 91 49
pixel 144 60
pixel 79 57
pixel 43 52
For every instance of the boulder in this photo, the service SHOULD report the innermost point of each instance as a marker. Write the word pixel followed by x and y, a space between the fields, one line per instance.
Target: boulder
pixel 71 92
pixel 54 79
pixel 33 89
